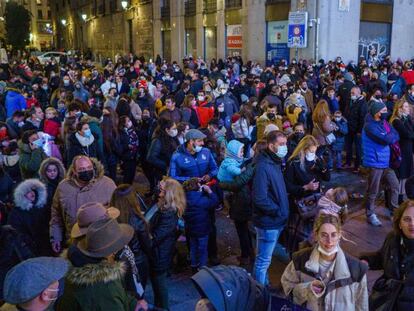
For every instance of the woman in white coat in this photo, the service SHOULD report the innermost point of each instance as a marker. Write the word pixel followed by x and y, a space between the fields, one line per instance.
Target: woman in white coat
pixel 324 277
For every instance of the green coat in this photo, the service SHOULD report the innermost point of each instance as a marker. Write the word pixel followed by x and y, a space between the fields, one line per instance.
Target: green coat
pixel 96 287
pixel 96 130
pixel 30 160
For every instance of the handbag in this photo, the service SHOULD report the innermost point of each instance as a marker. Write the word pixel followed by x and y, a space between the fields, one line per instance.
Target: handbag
pixel 308 206
pixel 384 294
pixel 395 150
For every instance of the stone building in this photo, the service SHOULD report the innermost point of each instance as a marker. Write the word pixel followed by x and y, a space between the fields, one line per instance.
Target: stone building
pixel 255 29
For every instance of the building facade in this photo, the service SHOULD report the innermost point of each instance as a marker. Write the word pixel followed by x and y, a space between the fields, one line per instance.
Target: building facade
pixel 255 29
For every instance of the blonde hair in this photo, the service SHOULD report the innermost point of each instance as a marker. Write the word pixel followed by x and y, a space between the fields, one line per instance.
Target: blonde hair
pixel 396 110
pixel 321 112
pixel 52 110
pixel 174 196
pixel 304 144
pixel 326 219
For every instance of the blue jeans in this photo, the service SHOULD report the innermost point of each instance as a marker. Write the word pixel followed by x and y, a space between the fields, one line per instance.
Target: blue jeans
pixel 265 243
pixel 198 251
pixel 338 158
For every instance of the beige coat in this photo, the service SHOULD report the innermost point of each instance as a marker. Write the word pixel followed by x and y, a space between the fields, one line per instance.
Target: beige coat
pixel 70 196
pixel 346 298
pixel 263 121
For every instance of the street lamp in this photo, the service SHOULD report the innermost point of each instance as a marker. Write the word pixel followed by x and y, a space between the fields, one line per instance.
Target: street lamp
pixel 124 4
pixel 63 21
pixel 47 25
pixel 84 16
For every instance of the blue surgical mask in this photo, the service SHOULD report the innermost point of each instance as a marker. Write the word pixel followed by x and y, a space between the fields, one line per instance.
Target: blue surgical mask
pixel 87 133
pixel 282 151
pixel 38 143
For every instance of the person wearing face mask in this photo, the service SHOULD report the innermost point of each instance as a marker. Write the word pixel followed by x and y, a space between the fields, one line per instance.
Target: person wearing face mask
pixel 295 138
pixel 231 105
pixel 35 120
pixel 324 277
pixel 377 136
pixel 128 149
pixel 82 142
pixel 171 111
pixel 340 131
pixel 14 124
pixel 163 144
pixel 204 108
pixel 80 92
pixel 270 116
pixel 401 120
pixel 67 83
pixel 31 154
pixel 34 283
pixel 303 176
pixel 270 202
pixel 85 182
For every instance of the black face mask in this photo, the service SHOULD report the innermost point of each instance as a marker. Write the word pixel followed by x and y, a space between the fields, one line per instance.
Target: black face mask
pixel 378 96
pixel 271 115
pixel 86 176
pixel 384 115
pixel 299 136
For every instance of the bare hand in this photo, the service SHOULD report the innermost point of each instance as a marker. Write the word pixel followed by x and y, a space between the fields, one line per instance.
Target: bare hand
pixel 206 189
pixel 56 247
pixel 317 286
pixel 206 178
pixel 311 186
pixel 141 305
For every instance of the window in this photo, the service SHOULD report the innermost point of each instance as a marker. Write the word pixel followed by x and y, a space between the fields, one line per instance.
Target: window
pixel 49 14
pixel 190 7
pixel 233 4
pixel 39 14
pixel 210 6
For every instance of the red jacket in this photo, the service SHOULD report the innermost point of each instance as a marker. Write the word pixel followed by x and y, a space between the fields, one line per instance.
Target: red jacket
pixel 52 127
pixel 408 76
pixel 205 113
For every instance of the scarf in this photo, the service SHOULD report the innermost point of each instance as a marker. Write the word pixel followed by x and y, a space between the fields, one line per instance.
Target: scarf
pixel 85 141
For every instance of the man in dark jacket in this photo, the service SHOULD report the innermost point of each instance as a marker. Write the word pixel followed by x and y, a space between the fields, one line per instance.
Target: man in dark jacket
pixel 344 91
pixel 270 202
pixel 355 112
pixel 171 112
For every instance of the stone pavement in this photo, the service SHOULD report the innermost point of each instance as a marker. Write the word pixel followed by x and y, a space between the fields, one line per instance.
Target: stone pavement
pixel 364 237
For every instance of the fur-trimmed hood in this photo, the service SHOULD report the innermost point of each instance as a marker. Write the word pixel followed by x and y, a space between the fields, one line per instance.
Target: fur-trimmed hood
pixel 98 167
pixel 24 187
pixel 46 163
pixel 90 274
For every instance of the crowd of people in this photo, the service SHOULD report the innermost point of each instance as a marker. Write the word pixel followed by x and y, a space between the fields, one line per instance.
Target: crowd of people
pixel 258 141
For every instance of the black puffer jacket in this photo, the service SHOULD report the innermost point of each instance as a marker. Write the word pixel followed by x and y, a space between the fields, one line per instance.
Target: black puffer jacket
pixel 395 257
pixel 141 242
pixel 163 229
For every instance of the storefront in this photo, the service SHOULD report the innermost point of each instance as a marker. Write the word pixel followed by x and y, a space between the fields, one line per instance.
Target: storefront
pixel 234 40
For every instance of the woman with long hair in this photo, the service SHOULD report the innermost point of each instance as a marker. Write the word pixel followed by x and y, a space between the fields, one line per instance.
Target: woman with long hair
pixel 188 110
pixel 163 145
pixel 323 276
pixel 128 145
pixel 171 205
pixel 304 172
pixel 125 199
pixel 401 120
pixel 110 136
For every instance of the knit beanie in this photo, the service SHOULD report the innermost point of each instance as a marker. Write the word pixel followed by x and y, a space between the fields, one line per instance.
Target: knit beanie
pixel 375 107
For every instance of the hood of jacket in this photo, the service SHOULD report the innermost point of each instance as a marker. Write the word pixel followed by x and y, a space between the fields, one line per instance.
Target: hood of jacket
pixel 233 149
pixel 98 167
pixel 24 187
pixel 90 274
pixel 46 163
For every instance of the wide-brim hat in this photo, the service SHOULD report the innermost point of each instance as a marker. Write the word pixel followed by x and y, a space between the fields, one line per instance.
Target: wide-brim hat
pixel 105 237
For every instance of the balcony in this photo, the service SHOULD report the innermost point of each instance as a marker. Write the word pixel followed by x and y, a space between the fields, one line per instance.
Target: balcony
pixel 209 6
pixel 165 12
pixel 190 7
pixel 233 4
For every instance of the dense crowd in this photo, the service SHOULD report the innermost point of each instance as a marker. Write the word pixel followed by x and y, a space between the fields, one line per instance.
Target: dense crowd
pixel 258 141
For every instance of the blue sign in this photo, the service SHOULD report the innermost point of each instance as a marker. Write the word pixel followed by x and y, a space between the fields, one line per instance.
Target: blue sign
pixel 276 43
pixel 297 30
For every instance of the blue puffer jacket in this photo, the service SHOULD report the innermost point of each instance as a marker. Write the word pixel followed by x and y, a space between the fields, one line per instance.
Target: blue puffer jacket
pixel 376 143
pixel 184 165
pixel 14 102
pixel 196 216
pixel 270 200
pixel 230 167
pixel 339 143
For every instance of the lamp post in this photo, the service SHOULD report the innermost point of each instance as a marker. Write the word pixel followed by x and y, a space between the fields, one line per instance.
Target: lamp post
pixel 84 17
pixel 64 22
pixel 124 4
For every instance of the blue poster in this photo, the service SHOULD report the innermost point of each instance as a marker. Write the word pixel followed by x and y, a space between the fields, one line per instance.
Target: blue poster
pixel 276 42
pixel 297 31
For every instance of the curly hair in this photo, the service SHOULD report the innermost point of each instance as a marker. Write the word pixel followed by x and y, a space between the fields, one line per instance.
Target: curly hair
pixel 174 196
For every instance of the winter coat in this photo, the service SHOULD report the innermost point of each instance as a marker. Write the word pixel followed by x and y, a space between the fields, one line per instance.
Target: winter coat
pixel 270 200
pixel 333 104
pixel 321 130
pixel 141 243
pixel 351 294
pixel 30 160
pixel 13 250
pixel 197 213
pixel 404 127
pixel 13 129
pixel 6 187
pixel 69 196
pixel 230 104
pixel 339 143
pixel 52 127
pixel 14 102
pixel 184 165
pixel 32 219
pixel 123 150
pixel 398 87
pixel 95 127
pixel 241 199
pixel 344 93
pixel 158 155
pixel 96 287
pixel 51 185
pixel 355 112
pixel 393 258
pixel 376 143
pixel 163 229
pixel 173 115
pixel 231 165
pixel 264 121
pixel 75 148
pixel 189 115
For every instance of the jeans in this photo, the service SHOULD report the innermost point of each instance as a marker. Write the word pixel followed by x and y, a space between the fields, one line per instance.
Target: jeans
pixel 350 140
pixel 245 239
pixel 338 158
pixel 160 288
pixel 374 181
pixel 198 251
pixel 212 238
pixel 265 243
pixel 129 168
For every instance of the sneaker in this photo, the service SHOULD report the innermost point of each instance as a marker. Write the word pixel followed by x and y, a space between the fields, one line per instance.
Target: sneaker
pixel 373 220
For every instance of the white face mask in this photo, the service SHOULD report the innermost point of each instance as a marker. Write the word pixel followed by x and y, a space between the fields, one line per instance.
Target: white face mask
pixel 173 132
pixel 223 91
pixel 310 156
pixel 220 109
pixel 324 252
pixel 200 98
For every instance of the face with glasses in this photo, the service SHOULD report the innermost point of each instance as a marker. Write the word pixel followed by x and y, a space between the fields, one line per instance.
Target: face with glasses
pixel 328 237
pixel 407 223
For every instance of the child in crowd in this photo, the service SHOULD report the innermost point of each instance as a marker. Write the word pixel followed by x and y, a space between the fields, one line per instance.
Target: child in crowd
pixel 52 123
pixel 334 202
pixel 231 165
pixel 341 129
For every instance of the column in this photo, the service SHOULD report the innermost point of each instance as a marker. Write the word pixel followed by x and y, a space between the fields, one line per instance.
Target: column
pixel 177 30
pixel 254 30
pixel 156 30
pixel 221 30
pixel 199 28
pixel 402 36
